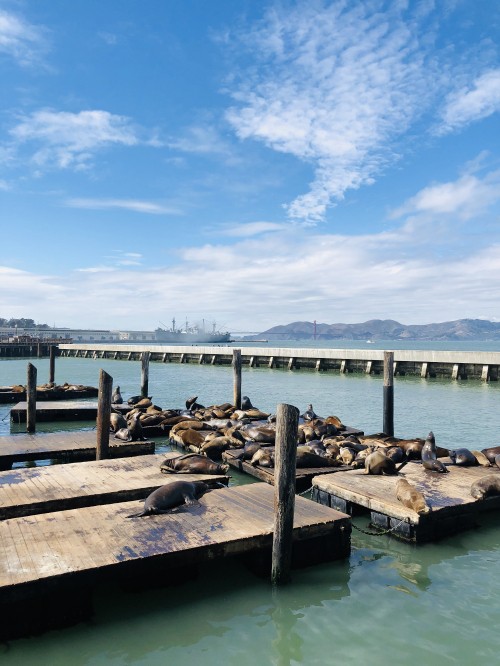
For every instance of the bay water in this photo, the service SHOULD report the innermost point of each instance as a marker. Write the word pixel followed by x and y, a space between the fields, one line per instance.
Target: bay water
pixel 390 602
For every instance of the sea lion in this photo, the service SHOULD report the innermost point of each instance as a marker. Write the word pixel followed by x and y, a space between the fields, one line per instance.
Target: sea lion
pixel 346 455
pixel 306 458
pixel 134 399
pixel 117 421
pixel 246 403
pixel 497 460
pixel 378 463
pixel 309 414
pixel 135 429
pixel 481 458
pixel 248 451
pixel 171 495
pixel 262 458
pixel 429 456
pixel 192 463
pixel 412 498
pixel 463 457
pixel 487 486
pixel 263 434
pixel 116 398
pixel 396 453
pixel 491 452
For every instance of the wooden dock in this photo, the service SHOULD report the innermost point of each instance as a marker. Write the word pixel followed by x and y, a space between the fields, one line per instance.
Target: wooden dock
pixel 64 447
pixel 303 476
pixel 64 410
pixel 49 563
pixel 27 491
pixel 7 395
pixel 455 365
pixel 453 509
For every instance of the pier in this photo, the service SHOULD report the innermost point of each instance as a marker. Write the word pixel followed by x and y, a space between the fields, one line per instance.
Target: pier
pixel 26 492
pixel 51 562
pixel 64 410
pixel 453 509
pixel 63 447
pixel 455 365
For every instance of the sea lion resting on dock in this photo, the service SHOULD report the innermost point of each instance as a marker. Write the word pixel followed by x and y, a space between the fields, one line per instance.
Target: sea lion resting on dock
pixel 463 457
pixel 192 463
pixel 491 453
pixel 486 487
pixel 172 495
pixel 378 463
pixel 410 497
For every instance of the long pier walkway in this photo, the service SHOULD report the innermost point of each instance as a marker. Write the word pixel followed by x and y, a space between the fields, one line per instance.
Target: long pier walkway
pixel 422 363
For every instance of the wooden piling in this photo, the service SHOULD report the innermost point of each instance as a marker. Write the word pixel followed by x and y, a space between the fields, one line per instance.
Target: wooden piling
pixel 31 398
pixel 103 415
pixel 287 419
pixel 145 373
pixel 388 425
pixel 52 364
pixel 237 378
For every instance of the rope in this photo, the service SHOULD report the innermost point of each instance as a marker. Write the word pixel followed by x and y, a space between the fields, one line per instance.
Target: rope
pixel 391 529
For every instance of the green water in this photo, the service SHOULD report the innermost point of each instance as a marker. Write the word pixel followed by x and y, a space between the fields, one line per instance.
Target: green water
pixel 390 602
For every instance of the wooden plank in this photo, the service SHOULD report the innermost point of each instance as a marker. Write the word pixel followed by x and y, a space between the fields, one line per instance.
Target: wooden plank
pixel 79 445
pixel 29 491
pixel 81 540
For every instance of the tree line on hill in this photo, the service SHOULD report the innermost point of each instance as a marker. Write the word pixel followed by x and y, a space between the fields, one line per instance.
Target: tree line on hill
pixel 21 323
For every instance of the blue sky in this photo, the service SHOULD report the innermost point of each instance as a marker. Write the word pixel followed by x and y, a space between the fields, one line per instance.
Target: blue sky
pixel 249 162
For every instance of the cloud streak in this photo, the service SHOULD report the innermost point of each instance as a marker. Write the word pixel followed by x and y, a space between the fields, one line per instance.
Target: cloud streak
pixel 479 100
pixel 22 41
pixel 134 205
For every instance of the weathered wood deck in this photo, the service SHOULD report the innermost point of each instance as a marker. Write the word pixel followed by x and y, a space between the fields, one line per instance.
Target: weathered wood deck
pixel 453 509
pixel 44 556
pixel 303 476
pixel 8 396
pixel 64 410
pixel 64 447
pixel 24 492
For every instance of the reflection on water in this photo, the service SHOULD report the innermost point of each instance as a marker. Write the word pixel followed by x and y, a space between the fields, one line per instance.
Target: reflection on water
pixel 389 602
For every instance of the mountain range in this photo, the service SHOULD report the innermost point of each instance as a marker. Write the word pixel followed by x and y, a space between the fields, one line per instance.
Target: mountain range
pixel 384 329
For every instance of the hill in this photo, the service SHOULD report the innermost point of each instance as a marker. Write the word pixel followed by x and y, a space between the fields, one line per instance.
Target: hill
pixel 385 329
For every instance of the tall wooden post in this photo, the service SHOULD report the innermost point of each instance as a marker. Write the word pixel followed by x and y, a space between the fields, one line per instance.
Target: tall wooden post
pixel 103 415
pixel 388 426
pixel 237 378
pixel 39 349
pixel 287 420
pixel 31 398
pixel 52 364
pixel 145 374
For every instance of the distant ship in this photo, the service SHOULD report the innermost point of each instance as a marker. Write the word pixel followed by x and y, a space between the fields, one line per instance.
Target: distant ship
pixel 191 334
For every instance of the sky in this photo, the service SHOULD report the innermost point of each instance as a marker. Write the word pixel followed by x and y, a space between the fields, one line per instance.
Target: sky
pixel 249 162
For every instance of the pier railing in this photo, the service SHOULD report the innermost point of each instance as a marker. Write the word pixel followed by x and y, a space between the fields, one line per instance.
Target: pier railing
pixel 422 363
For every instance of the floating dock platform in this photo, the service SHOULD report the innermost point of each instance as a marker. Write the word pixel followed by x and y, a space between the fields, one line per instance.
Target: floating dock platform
pixel 453 509
pixel 64 447
pixel 49 563
pixel 28 491
pixel 303 475
pixel 7 395
pixel 419 362
pixel 64 410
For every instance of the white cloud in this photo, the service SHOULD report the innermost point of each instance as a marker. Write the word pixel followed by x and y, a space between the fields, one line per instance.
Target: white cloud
pixel 134 205
pixel 21 40
pixel 70 140
pixel 479 100
pixel 252 229
pixel 337 86
pixel 464 198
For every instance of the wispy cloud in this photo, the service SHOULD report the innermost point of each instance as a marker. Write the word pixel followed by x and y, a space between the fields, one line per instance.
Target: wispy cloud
pixel 471 103
pixel 22 41
pixel 336 87
pixel 464 198
pixel 70 140
pixel 135 205
pixel 252 229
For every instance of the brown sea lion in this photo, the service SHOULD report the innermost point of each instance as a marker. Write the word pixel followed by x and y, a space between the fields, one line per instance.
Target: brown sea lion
pixel 117 421
pixel 487 486
pixel 481 458
pixel 396 453
pixel 135 429
pixel 248 451
pixel 491 452
pixel 306 458
pixel 262 458
pixel 412 498
pixel 192 463
pixel 171 495
pixel 116 397
pixel 378 463
pixel 346 455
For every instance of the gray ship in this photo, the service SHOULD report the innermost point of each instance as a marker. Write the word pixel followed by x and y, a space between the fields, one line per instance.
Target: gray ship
pixel 191 334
